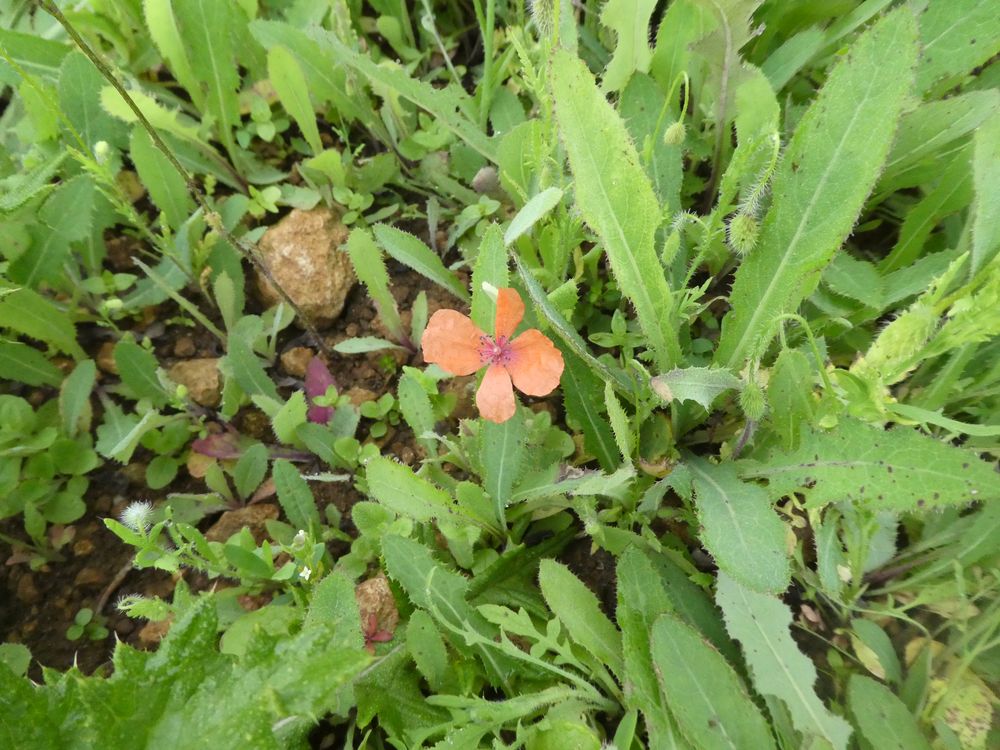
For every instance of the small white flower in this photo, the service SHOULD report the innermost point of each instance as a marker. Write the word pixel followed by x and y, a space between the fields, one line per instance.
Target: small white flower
pixel 305 573
pixel 137 516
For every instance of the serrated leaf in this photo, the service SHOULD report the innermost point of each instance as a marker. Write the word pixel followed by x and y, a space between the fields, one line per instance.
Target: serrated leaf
pixel 740 527
pixel 789 392
pixel 295 496
pixel 24 364
pixel 417 410
pixel 290 84
pixel 531 213
pixel 640 105
pixel 490 268
pixel 33 53
pixel 502 453
pixel 581 390
pixel 80 85
pixel 577 608
pixel 620 423
pixel 396 487
pixel 366 257
pixel 74 398
pixel 700 384
pixel 162 25
pixel 821 184
pixel 703 692
pixel 427 649
pixel 858 280
pixel 986 179
pixel 629 20
pixel 165 184
pixel 760 623
pixel 247 369
pixel 411 252
pixel 882 717
pixel 615 198
pixel 290 417
pixel 955 37
pixel 897 469
pixel 250 470
pixel 137 367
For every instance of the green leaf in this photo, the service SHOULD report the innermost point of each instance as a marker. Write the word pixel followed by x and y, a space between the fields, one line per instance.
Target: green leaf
pixel 247 563
pixel 629 20
pixel 427 649
pixel 162 26
pixel 856 279
pixel 986 179
pixel 502 454
pixel 396 487
pixel 363 345
pixel 80 85
pixel 703 692
pixel 828 170
pixel 897 469
pixel 165 184
pixel 290 84
pixel 955 37
pixel 417 410
pixel 295 496
pixel 290 417
pixel 411 252
pixel 789 392
pixel 882 718
pixel 701 384
pixel 580 613
pixel 449 106
pixel 246 367
pixel 581 390
pixel 616 199
pixel 24 364
pixel 620 423
pixel 366 257
pixel 74 398
pixel 640 106
pixel 490 268
pixel 740 527
pixel 33 53
pixel 137 367
pixel 250 470
pixel 531 213
pixel 760 623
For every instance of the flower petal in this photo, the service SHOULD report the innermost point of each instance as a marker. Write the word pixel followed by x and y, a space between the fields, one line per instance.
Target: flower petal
pixel 495 397
pixel 451 340
pixel 510 310
pixel 535 365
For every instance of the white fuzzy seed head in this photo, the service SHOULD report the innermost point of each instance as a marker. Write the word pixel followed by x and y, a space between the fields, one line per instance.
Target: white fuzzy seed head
pixel 138 515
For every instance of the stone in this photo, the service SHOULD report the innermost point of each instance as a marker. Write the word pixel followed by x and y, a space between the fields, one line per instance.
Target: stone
pixel 184 347
pixel 27 592
pixel 360 396
pixel 83 547
pixel 153 632
pixel 89 577
pixel 252 517
pixel 295 360
pixel 303 254
pixel 201 378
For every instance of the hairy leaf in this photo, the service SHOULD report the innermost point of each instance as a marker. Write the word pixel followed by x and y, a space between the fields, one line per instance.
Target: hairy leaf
pixel 882 717
pixel 955 37
pixel 411 252
pixel 295 496
pixel 629 19
pixel 986 207
pixel 701 384
pixel 289 82
pixel 827 172
pixel 366 257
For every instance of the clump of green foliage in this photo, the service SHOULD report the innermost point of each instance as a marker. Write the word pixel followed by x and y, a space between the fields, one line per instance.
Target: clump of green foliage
pixel 765 240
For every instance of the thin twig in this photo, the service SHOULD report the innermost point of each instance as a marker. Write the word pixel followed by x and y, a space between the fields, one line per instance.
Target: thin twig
pixel 212 218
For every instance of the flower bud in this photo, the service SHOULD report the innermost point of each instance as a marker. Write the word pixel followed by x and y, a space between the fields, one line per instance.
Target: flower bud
pixel 675 134
pixel 742 234
pixel 102 151
pixel 752 401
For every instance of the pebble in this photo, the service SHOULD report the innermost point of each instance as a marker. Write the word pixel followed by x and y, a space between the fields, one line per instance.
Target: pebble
pixel 184 347
pixel 89 577
pixel 295 360
pixel 27 592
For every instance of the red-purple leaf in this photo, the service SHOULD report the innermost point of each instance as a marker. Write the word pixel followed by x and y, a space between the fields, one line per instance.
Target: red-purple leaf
pixel 318 380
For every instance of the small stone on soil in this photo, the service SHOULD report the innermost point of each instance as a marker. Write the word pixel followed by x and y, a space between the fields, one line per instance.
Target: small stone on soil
pixel 90 577
pixel 201 378
pixel 252 516
pixel 184 347
pixel 106 358
pixel 295 360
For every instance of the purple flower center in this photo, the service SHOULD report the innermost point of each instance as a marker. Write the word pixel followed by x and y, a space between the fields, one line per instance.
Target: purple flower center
pixel 495 351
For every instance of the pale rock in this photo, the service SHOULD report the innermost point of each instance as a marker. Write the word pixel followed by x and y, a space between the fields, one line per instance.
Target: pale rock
pixel 201 378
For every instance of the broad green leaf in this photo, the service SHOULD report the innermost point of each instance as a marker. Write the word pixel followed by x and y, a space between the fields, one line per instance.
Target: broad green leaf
pixel 162 25
pixel 821 184
pixel 293 92
pixel 621 426
pixel 580 613
pixel 490 268
pixel 882 718
pixel 581 390
pixel 503 456
pixel 740 527
pixel 411 252
pixel 897 469
pixel 208 28
pixel 25 364
pixel 74 398
pixel 532 212
pixel 700 384
pixel 290 417
pixel 789 392
pixel 760 623
pixel 856 279
pixel 366 257
pixel 32 53
pixel 616 199
pixel 165 184
pixel 247 563
pixel 427 648
pixel 878 642
pixel 641 601
pixel 641 105
pixel 295 496
pixel 246 368
pixel 986 179
pixel 417 409
pixel 80 85
pixel 955 37
pixel 137 367
pixel 396 487
pixel 629 20
pixel 449 106
pixel 250 470
pixel 703 692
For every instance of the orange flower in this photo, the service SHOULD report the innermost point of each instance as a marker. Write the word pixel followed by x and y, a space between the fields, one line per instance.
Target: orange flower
pixel 530 362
